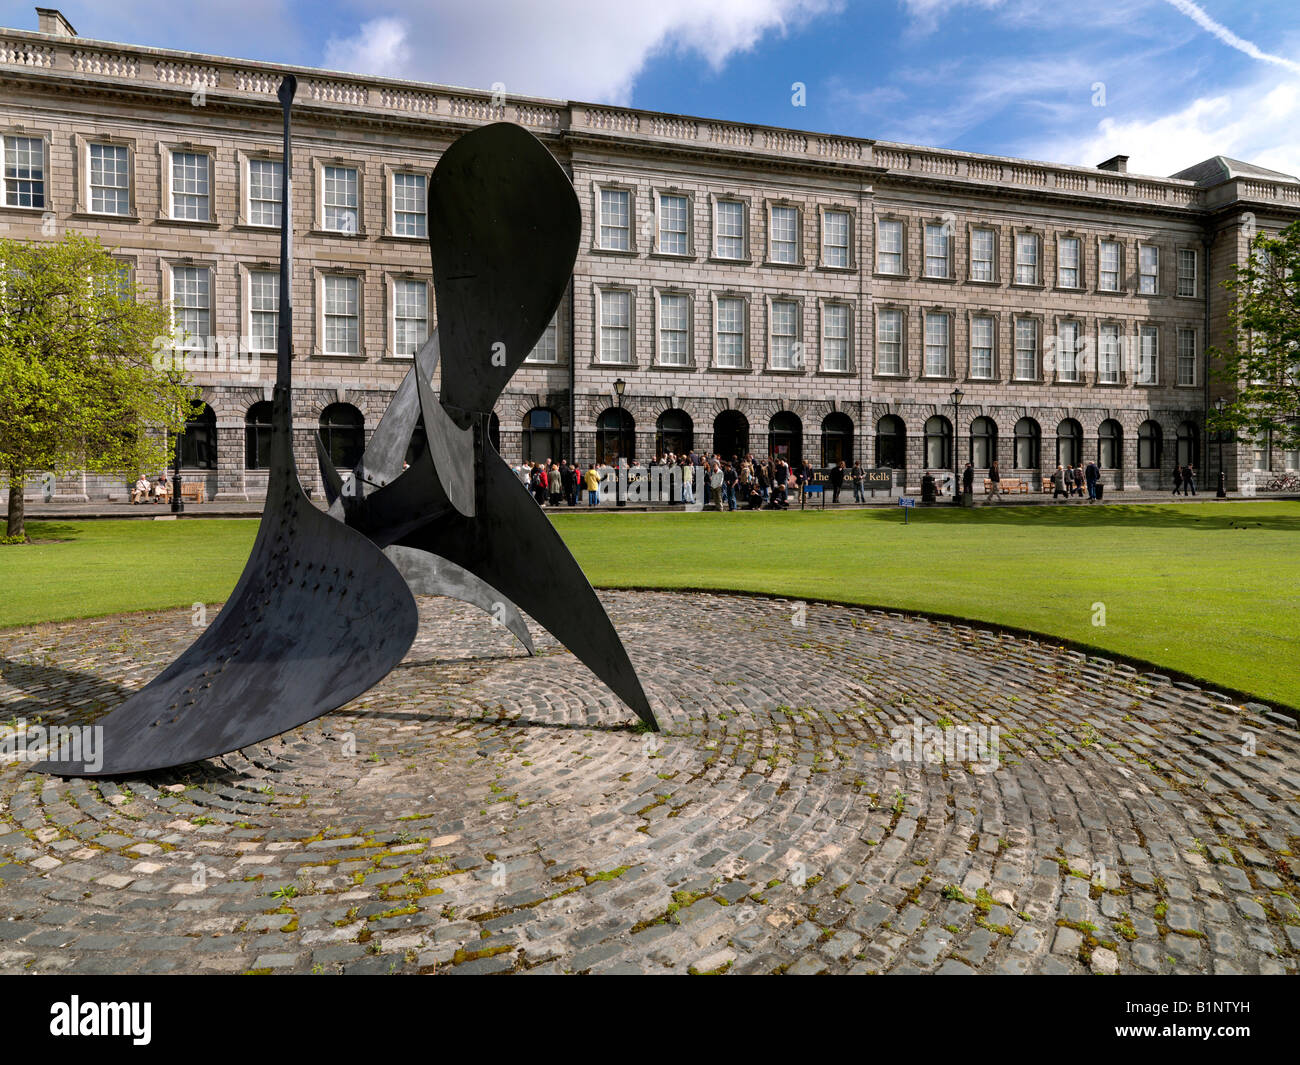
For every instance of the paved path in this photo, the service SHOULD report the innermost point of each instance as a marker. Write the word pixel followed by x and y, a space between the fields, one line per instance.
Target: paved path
pixel 484 812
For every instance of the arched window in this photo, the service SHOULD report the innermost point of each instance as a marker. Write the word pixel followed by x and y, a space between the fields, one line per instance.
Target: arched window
pixel 1150 441
pixel 1189 443
pixel 938 443
pixel 1069 443
pixel 343 430
pixel 615 436
pixel 983 443
pixel 199 441
pixel 891 442
pixel 1291 457
pixel 494 432
pixel 731 434
pixel 1110 444
pixel 837 439
pixel 1029 440
pixel 674 432
pixel 785 437
pixel 541 441
pixel 257 436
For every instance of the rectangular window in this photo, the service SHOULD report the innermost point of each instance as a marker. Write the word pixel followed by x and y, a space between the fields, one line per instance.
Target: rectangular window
pixel 1026 365
pixel 1067 267
pixel 889 248
pixel 410 316
pixel 110 182
pixel 785 235
pixel 835 337
pixel 341 203
pixel 547 348
pixel 674 320
pixel 263 309
pixel 936 251
pixel 190 186
pixel 1108 267
pixel 1067 351
pixel 616 326
pixel 1148 356
pixel 835 238
pixel 937 363
pixel 410 205
pixel 1187 271
pixel 192 304
pixel 730 227
pixel 342 315
pixel 981 347
pixel 785 335
pixel 1026 259
pixel 889 342
pixel 24 171
pixel 674 211
pixel 731 333
pixel 616 219
pixel 1187 356
pixel 983 244
pixel 1148 269
pixel 265 192
pixel 1108 345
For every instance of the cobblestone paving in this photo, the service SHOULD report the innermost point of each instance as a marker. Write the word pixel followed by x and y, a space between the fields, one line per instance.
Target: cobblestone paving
pixel 484 812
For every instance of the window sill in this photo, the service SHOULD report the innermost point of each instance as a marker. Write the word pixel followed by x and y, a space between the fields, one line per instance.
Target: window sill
pixel 784 371
pixel 36 212
pixel 248 227
pixel 1070 384
pixel 731 369
pixel 674 367
pixel 359 356
pixel 883 276
pixel 191 223
pixel 823 268
pixel 725 261
pixel 1035 286
pixel 337 234
pixel 625 253
pixel 1027 381
pixel 1109 384
pixel 1180 296
pixel 613 366
pixel 102 216
pixel 982 381
pixel 988 282
pixel 891 376
pixel 939 280
pixel 770 264
pixel 672 257
pixel 833 373
pixel 402 238
pixel 1077 290
pixel 1110 292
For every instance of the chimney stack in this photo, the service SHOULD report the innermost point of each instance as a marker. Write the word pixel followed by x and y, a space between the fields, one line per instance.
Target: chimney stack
pixel 51 21
pixel 1117 163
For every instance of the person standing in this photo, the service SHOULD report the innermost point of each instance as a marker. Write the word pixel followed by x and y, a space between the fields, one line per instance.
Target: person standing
pixel 1189 479
pixel 1178 479
pixel 837 481
pixel 995 483
pixel 967 482
pixel 856 476
pixel 729 478
pixel 1058 483
pixel 593 485
pixel 1090 475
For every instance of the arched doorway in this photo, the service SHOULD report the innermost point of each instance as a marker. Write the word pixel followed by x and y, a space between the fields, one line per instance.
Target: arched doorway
pixel 891 442
pixel 1150 445
pixel 343 431
pixel 837 439
pixel 541 439
pixel 1028 444
pixel 199 441
pixel 1110 444
pixel 674 432
pixel 983 443
pixel 1189 443
pixel 731 434
pixel 257 436
pixel 1069 443
pixel 938 443
pixel 785 437
pixel 615 436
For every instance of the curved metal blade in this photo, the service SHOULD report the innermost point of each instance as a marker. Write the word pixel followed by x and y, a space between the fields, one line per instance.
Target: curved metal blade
pixel 503 232
pixel 381 462
pixel 428 574
pixel 512 546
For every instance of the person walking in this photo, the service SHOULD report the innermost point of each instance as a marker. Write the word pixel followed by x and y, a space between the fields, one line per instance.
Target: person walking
pixel 995 483
pixel 593 485
pixel 1090 475
pixel 1178 479
pixel 837 481
pixel 967 482
pixel 1058 483
pixel 729 479
pixel 855 475
pixel 1189 479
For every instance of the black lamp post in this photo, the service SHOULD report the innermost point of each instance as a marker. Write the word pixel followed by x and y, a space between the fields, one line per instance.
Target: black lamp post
pixel 1222 493
pixel 178 504
pixel 619 501
pixel 956 397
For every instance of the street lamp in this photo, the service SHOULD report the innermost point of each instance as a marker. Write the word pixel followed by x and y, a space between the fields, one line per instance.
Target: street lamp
pixel 178 504
pixel 619 501
pixel 956 397
pixel 1222 493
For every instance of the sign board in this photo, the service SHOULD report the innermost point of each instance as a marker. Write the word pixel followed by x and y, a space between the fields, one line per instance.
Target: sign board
pixel 906 501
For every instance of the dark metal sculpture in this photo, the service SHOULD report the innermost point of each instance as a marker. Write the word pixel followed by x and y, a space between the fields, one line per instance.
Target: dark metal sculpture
pixel 320 614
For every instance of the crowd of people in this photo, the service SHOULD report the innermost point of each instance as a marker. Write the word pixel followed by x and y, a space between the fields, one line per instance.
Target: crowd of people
pixel 729 484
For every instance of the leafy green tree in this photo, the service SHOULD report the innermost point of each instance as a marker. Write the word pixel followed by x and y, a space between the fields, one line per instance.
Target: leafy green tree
pixel 79 388
pixel 1262 361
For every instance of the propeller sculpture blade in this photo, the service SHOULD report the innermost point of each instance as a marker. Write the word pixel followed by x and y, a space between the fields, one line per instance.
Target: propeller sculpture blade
pixel 319 615
pixel 323 611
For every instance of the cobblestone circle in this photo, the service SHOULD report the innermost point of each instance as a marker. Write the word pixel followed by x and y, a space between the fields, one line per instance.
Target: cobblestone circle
pixel 481 811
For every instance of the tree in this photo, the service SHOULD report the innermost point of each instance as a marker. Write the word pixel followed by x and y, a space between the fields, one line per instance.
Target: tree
pixel 1262 362
pixel 79 388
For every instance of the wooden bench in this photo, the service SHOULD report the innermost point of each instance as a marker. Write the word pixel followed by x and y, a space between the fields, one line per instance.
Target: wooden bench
pixel 1008 485
pixel 193 492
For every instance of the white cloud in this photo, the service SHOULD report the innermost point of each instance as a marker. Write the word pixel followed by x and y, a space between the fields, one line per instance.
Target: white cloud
pixel 925 14
pixel 576 49
pixel 1198 15
pixel 1256 123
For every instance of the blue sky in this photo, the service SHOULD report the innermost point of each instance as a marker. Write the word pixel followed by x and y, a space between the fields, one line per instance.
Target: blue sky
pixel 1167 82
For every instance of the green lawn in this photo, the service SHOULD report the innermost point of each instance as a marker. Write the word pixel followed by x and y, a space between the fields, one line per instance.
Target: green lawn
pixel 1210 590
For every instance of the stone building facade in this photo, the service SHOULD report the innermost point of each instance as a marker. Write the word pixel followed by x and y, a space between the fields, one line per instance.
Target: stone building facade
pixel 753 289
